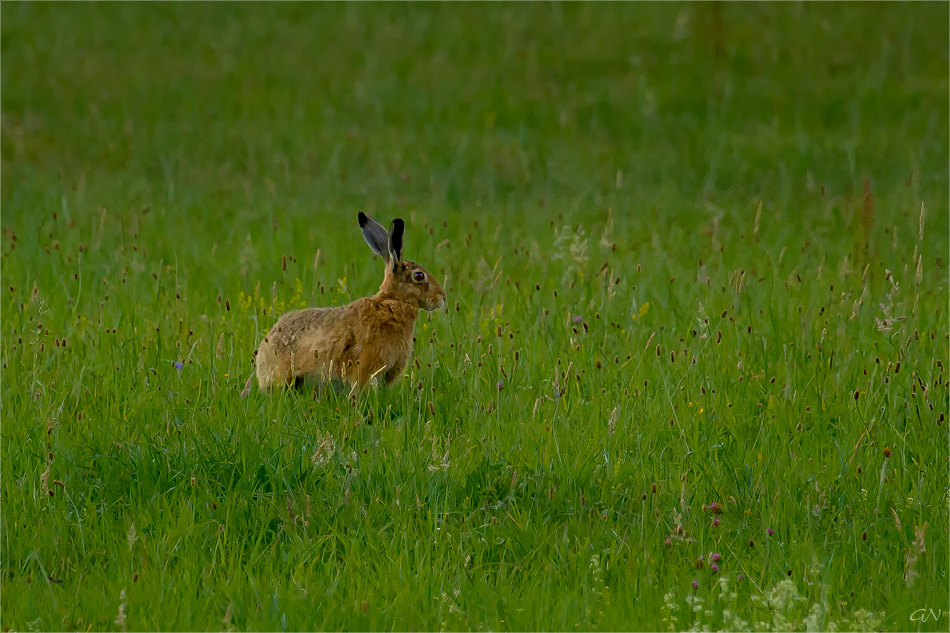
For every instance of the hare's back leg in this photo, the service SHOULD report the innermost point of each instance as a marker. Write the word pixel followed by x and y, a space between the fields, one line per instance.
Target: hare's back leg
pixel 272 369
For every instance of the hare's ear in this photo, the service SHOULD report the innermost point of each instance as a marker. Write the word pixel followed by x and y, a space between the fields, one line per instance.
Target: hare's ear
pixel 396 230
pixel 375 235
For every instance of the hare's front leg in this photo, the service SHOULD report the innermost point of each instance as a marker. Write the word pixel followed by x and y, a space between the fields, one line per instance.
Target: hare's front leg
pixel 368 366
pixel 393 372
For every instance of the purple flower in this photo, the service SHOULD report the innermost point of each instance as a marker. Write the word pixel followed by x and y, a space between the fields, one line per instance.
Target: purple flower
pixel 695 585
pixel 716 557
pixel 714 567
pixel 668 541
pixel 500 385
pixel 178 365
pixel 578 319
pixel 716 522
pixel 740 577
pixel 770 531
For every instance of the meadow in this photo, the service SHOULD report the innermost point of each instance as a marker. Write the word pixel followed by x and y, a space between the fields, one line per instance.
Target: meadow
pixel 692 373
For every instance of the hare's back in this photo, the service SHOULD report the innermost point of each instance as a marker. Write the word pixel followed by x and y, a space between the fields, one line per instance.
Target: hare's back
pixel 306 323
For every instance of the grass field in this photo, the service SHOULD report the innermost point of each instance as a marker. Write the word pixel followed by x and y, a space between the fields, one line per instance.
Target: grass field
pixel 693 370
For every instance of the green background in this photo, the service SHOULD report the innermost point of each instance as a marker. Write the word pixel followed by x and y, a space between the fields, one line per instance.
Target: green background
pixel 694 253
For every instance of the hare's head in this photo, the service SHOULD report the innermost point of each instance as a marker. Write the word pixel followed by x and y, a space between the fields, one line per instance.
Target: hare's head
pixel 404 279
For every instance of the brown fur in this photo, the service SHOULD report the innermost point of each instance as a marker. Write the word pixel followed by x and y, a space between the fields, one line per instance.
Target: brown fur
pixel 354 343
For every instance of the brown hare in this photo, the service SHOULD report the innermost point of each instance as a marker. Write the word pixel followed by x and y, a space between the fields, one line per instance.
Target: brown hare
pixel 355 343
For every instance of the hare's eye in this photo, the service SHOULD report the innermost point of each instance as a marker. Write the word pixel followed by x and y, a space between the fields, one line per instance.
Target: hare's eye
pixel 419 276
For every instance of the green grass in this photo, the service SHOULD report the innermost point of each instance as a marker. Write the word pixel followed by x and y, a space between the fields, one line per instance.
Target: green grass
pixel 745 206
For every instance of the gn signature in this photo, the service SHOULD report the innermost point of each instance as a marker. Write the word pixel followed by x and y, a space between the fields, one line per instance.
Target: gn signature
pixel 926 615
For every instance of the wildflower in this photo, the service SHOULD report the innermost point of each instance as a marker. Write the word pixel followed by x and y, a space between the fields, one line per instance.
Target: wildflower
pixel 121 617
pixel 716 557
pixel 770 531
pixel 715 522
pixel 578 319
pixel 133 536
pixel 324 452
pixel 178 365
pixel 695 585
pixel 642 311
pixel 714 567
pixel 783 595
pixel 500 385
pixel 668 541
